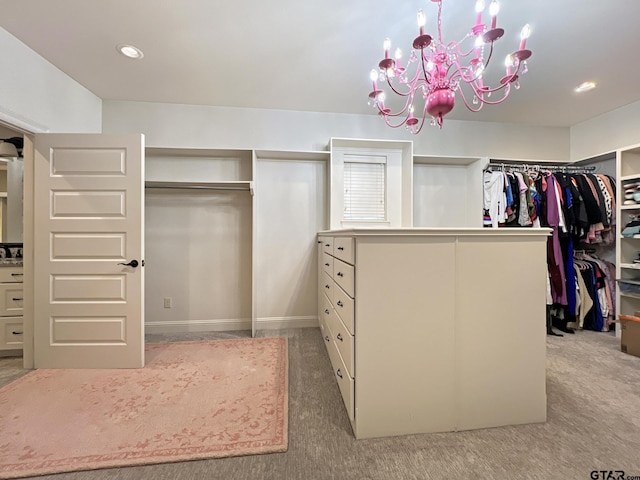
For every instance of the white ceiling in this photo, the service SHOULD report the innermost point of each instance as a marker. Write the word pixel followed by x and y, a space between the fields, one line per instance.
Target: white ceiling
pixel 316 56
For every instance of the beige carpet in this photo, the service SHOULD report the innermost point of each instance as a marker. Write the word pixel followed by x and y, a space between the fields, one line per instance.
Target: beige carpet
pixel 193 400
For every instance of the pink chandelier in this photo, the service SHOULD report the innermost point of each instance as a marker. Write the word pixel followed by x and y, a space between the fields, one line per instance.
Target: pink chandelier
pixel 441 69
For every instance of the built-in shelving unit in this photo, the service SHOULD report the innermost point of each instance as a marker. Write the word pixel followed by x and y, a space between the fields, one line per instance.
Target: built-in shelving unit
pixel 627 248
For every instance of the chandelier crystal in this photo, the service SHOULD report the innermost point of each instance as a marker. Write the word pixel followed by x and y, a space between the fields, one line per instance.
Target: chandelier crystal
pixel 441 70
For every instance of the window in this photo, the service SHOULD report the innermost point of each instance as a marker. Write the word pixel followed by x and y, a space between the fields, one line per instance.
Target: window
pixel 364 189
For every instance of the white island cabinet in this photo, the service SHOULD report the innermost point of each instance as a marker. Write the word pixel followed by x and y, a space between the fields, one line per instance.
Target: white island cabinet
pixel 435 330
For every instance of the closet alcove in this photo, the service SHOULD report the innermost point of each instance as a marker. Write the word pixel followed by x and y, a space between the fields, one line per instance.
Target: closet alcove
pixel 199 225
pixel 230 238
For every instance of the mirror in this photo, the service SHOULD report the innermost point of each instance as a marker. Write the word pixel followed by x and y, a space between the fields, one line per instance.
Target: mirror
pixel 11 186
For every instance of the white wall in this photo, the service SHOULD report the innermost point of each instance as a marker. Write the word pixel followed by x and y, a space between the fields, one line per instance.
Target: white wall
pixel 198 253
pixel 191 126
pixel 449 186
pixel 36 96
pixel 290 202
pixel 606 133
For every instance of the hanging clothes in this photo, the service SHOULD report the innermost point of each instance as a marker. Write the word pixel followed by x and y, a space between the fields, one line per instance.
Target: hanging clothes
pixel 580 209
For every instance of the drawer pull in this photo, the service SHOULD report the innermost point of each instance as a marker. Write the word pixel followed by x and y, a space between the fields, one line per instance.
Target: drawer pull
pixel 339 373
pixel 326 311
pixel 327 287
pixel 326 338
pixel 340 274
pixel 340 304
pixel 17 274
pixel 16 333
pixel 339 337
pixel 326 264
pixel 327 244
pixel 340 248
pixel 17 299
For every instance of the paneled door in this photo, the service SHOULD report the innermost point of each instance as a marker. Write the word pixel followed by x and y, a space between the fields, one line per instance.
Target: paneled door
pixel 88 250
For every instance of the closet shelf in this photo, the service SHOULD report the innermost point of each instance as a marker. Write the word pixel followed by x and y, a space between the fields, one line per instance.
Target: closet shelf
pixel 228 185
pixel 630 207
pixel 630 295
pixel 631 266
pixel 626 178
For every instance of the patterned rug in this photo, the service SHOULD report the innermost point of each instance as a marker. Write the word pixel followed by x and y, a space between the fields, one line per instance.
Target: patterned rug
pixel 193 400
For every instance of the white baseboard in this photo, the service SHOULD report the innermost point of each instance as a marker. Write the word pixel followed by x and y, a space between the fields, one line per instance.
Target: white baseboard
pixel 224 325
pixel 278 323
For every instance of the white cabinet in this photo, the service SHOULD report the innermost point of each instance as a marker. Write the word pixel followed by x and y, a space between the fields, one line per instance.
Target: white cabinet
pixel 11 304
pixel 422 338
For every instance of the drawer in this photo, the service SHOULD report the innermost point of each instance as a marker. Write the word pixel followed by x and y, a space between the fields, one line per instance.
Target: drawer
pixel 327 285
pixel 11 301
pixel 343 273
pixel 345 382
pixel 10 274
pixel 324 331
pixel 327 245
pixel 327 264
pixel 343 340
pixel 11 336
pixel 344 249
pixel 343 304
pixel 327 313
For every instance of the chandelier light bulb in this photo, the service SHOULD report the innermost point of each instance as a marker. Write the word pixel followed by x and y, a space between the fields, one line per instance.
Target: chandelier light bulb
pixel 494 8
pixel 398 53
pixel 422 18
pixel 524 34
pixel 479 10
pixel 386 45
pixel 509 61
pixel 373 75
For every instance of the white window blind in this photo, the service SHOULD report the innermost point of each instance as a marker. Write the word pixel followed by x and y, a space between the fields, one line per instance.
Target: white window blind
pixel 364 191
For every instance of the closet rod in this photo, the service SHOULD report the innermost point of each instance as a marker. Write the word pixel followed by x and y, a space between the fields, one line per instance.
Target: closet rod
pixel 552 168
pixel 197 187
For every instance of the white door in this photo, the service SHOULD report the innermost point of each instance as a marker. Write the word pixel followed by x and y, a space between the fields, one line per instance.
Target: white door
pixel 88 251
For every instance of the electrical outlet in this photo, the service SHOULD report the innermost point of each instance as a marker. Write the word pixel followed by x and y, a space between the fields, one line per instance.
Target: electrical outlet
pixel 168 302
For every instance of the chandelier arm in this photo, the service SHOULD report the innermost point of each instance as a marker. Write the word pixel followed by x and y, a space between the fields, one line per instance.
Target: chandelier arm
pixel 386 120
pixel 466 103
pixel 420 127
pixel 387 112
pixel 455 44
pixel 397 92
pixel 414 130
pixel 427 77
pixel 460 72
pixel 486 63
pixel 506 88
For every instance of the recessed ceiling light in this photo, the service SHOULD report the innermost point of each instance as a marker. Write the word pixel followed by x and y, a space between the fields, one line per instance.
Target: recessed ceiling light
pixel 130 51
pixel 585 87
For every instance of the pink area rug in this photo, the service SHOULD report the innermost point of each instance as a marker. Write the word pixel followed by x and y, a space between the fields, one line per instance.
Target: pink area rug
pixel 193 400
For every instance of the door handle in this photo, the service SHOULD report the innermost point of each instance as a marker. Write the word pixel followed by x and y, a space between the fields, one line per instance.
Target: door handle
pixel 132 263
